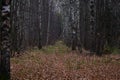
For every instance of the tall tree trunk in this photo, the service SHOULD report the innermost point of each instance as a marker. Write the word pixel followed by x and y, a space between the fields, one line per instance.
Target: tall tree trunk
pixel 49 18
pixel 5 40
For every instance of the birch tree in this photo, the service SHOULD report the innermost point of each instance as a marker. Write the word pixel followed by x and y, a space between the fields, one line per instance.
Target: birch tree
pixel 5 40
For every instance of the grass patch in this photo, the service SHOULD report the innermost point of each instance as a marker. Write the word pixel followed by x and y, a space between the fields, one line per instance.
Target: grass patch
pixel 113 50
pixel 59 47
pixel 116 51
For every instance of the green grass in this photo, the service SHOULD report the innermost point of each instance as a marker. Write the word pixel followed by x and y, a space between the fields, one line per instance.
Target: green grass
pixel 59 48
pixel 116 51
pixel 113 50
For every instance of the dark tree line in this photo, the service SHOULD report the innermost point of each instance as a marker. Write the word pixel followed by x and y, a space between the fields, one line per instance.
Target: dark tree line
pixel 91 24
pixel 34 24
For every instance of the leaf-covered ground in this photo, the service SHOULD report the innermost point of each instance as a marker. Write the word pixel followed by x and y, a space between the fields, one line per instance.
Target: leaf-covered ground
pixel 64 65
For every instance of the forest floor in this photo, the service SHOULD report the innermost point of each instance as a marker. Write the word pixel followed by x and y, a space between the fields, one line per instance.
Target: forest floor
pixel 59 63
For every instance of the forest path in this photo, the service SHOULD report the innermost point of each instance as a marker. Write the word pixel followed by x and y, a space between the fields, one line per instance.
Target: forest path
pixel 56 64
